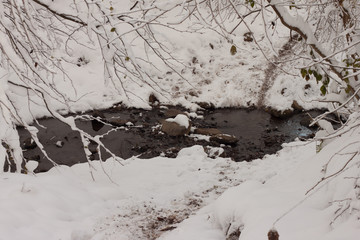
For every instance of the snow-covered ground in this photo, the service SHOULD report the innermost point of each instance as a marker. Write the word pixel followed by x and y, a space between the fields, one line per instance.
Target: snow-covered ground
pixel 208 72
pixel 282 192
pixel 146 198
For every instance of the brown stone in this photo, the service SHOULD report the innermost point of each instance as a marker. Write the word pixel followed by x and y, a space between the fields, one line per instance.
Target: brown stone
pixel 174 129
pixel 118 122
pixel 206 105
pixel 98 114
pixel 207 131
pixel 273 235
pixel 296 106
pixel 172 112
pixel 224 139
pixel 153 99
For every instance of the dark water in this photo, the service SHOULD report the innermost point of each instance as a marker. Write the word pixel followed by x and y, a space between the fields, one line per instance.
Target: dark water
pixel 258 133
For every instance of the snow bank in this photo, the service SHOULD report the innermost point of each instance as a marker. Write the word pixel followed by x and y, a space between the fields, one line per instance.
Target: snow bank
pixel 291 201
pixel 66 204
pixel 270 192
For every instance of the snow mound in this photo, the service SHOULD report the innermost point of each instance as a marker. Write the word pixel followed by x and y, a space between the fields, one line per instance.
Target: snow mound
pixel 180 119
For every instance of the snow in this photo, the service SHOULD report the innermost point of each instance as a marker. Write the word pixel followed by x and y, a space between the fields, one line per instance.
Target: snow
pixel 180 119
pixel 279 200
pixel 65 203
pixel 200 137
pixel 31 166
pixel 59 143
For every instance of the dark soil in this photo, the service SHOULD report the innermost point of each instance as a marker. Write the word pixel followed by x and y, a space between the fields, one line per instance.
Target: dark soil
pixel 258 132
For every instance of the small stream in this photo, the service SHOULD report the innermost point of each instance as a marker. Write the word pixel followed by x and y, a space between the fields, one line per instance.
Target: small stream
pixel 258 132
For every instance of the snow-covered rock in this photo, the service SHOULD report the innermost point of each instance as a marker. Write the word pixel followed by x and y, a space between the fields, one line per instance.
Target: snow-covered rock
pixel 178 126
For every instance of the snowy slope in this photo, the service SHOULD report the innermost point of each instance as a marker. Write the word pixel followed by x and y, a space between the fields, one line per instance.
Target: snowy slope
pixel 204 70
pixel 66 204
pixel 290 201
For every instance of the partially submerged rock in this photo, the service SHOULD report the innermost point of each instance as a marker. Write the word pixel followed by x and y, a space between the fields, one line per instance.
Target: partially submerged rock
pixel 174 129
pixel 59 144
pixel 207 131
pixel 296 106
pixel 178 126
pixel 29 143
pixel 224 139
pixel 98 114
pixel 118 122
pixel 172 112
pixel 206 105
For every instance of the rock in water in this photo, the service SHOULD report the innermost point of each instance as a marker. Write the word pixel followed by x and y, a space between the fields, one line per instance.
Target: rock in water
pixel 172 112
pixel 29 143
pixel 296 106
pixel 207 131
pixel 206 105
pixel 118 122
pixel 224 139
pixel 59 144
pixel 178 126
pixel 174 129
